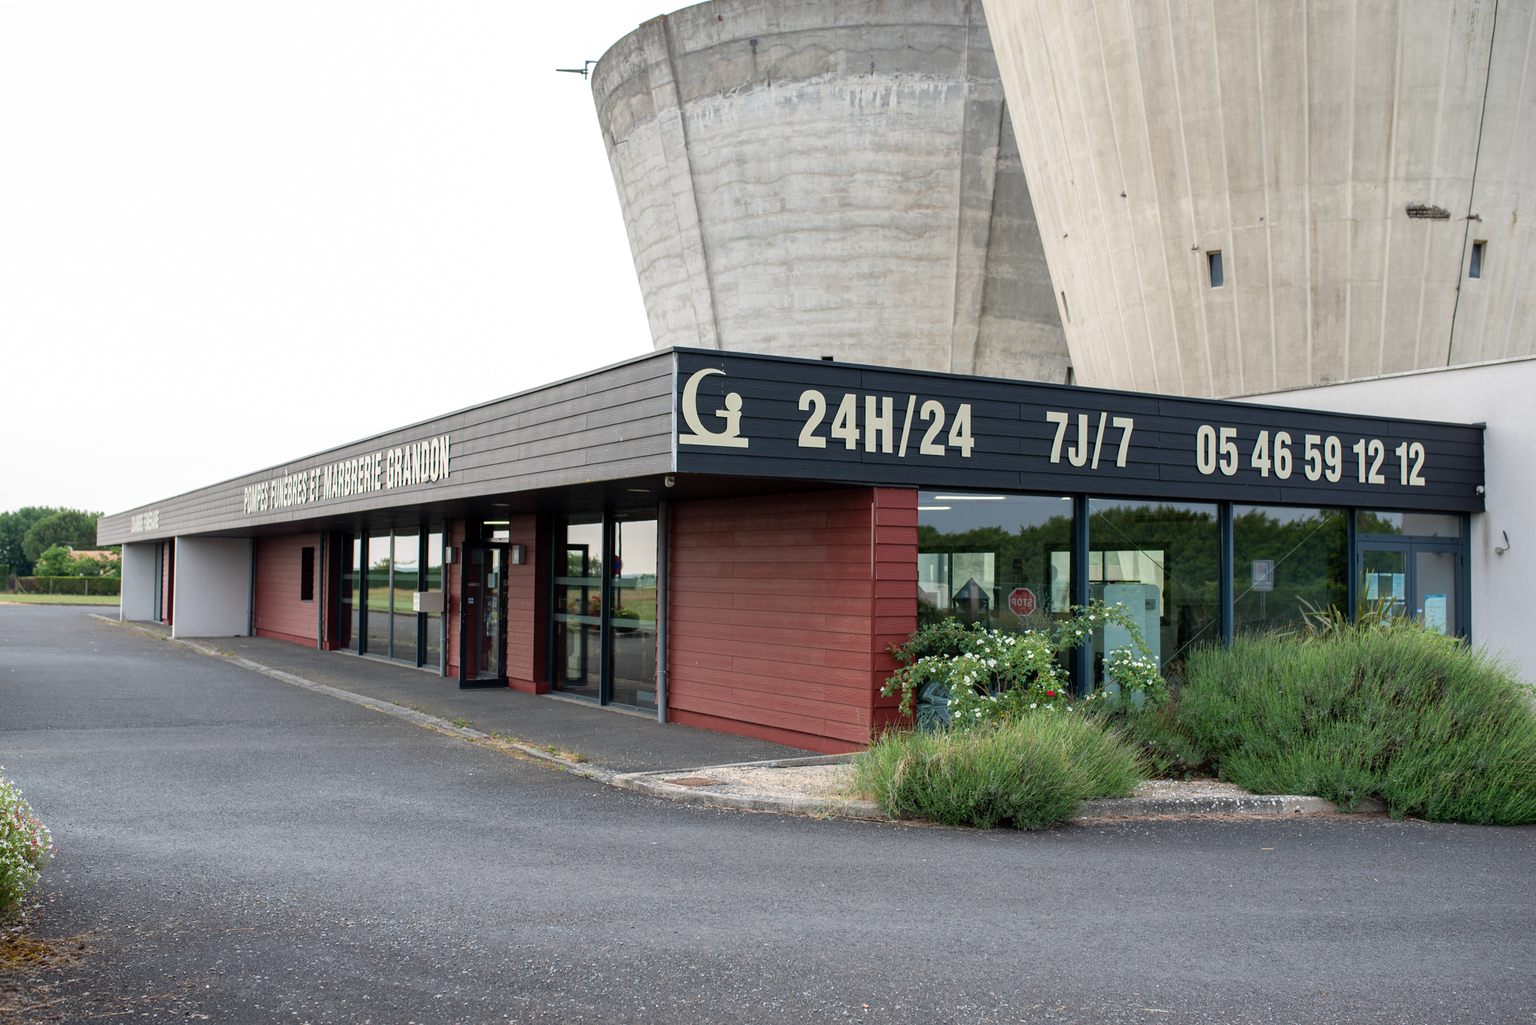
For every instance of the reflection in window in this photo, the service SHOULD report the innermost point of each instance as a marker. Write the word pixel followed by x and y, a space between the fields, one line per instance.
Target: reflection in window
pixel 1408 524
pixel 988 558
pixel 407 562
pixel 351 591
pixel 1161 560
pixel 377 612
pixel 633 636
pixel 434 582
pixel 1285 557
pixel 578 667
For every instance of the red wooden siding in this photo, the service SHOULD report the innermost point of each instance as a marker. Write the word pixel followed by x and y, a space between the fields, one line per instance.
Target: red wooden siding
pixel 167 580
pixel 527 593
pixel 895 597
pixel 781 608
pixel 278 611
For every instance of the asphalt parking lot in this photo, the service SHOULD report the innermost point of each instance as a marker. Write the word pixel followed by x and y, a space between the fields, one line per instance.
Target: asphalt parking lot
pixel 235 849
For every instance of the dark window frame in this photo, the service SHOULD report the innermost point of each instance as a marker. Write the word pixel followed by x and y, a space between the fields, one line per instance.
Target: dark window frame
pixel 307 573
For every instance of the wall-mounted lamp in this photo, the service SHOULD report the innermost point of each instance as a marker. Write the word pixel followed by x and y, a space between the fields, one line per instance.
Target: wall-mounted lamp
pixel 448 555
pixel 518 554
pixel 1500 551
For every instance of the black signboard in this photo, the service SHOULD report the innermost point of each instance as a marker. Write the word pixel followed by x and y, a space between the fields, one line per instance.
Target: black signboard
pixel 745 415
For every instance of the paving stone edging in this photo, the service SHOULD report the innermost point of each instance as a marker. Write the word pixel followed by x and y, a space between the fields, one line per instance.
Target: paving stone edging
pixel 655 784
pixel 1250 805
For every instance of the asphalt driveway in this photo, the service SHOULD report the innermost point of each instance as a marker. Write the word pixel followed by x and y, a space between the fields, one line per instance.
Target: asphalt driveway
pixel 235 849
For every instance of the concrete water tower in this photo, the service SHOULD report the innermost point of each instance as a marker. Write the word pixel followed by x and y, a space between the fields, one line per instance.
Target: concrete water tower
pixel 829 179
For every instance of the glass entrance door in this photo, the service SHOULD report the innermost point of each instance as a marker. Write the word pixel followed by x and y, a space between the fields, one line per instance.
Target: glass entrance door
pixel 578 608
pixel 1436 573
pixel 605 592
pixel 482 630
pixel 631 632
pixel 1422 579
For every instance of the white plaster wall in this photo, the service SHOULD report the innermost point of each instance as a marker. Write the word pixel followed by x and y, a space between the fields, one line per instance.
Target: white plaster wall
pixel 829 179
pixel 1292 137
pixel 212 593
pixel 1503 395
pixel 138 594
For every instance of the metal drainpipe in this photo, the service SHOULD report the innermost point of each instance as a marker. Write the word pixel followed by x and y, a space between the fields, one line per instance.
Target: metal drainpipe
pixel 1224 586
pixel 1082 655
pixel 250 607
pixel 663 548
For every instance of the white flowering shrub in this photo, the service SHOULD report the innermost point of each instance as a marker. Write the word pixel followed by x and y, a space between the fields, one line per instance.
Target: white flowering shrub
pixel 25 847
pixel 996 675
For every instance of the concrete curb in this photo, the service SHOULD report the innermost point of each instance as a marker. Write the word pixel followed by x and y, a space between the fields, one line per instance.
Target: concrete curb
pixel 1255 805
pixel 650 783
pixel 654 784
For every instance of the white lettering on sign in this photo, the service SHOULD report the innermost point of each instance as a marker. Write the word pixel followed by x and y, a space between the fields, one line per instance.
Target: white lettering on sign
pixel 877 428
pixel 144 521
pixel 420 462
pixel 1322 456
pixel 1079 453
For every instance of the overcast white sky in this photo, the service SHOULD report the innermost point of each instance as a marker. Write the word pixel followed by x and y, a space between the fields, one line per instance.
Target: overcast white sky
pixel 234 233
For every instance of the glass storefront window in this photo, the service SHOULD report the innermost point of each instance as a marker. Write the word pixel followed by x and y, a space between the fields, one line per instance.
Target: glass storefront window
pixel 379 600
pixel 380 575
pixel 1283 557
pixel 407 569
pixel 434 582
pixel 1408 524
pixel 633 619
pixel 1161 560
pixel 1002 560
pixel 351 592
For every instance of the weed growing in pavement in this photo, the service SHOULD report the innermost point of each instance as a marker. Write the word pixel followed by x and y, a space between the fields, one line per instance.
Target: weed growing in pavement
pixel 460 723
pixel 1029 773
pixel 26 845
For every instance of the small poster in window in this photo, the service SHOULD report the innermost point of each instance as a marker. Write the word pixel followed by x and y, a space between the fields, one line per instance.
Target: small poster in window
pixel 1435 613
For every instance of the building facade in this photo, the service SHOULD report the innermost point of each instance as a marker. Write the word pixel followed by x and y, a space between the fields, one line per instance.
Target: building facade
pixel 734 541
pixel 1225 199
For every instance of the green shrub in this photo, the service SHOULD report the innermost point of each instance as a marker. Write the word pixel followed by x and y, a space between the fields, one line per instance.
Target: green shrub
pixel 989 676
pixel 1167 750
pixel 25 847
pixel 1427 726
pixel 1030 773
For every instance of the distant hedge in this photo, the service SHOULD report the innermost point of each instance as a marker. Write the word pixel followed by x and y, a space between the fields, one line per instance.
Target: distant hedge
pixel 69 585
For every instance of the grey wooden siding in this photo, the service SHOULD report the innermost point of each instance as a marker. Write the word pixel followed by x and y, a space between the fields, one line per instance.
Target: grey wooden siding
pixel 609 425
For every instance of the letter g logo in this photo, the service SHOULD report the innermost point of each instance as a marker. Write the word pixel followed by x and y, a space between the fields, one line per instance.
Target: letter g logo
pixel 729 436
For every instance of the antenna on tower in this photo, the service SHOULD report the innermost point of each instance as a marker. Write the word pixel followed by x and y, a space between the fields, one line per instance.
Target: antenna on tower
pixel 582 71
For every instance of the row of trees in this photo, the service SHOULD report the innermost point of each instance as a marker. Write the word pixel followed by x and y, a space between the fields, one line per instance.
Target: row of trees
pixel 27 533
